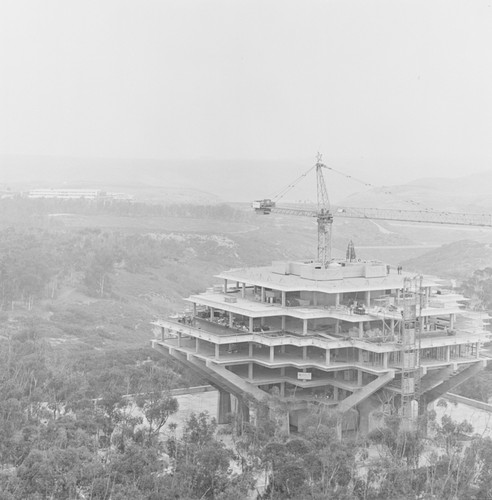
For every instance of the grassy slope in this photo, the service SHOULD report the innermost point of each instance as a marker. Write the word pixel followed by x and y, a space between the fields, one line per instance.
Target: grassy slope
pixel 454 260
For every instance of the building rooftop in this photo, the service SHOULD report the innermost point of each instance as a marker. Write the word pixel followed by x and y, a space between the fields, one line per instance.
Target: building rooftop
pixel 310 276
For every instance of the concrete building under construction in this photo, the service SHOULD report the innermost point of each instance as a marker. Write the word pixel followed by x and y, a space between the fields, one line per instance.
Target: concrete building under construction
pixel 356 336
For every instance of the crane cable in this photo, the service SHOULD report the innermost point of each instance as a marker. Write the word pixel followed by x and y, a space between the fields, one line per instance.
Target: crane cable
pixel 290 186
pixel 386 190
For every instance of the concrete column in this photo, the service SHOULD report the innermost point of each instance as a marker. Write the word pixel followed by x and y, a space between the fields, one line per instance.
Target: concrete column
pixel 272 354
pixel 243 290
pixel 315 298
pixel 337 299
pixel 282 389
pixel 282 349
pixel 262 294
pixel 163 333
pixel 179 338
pixel 262 321
pixel 217 351
pixel 478 349
pixel 243 411
pixel 250 371
pixel 283 323
pixel 250 350
pixel 361 329
pixel 385 359
pixel 284 299
pixel 250 325
pixel 448 353
pixel 360 356
pixel 223 407
pixel 337 326
pixel 368 298
pixel 451 320
pixel 328 357
pixel 194 308
pixel 392 326
pixel 281 418
pixel 212 312
pixel 335 393
pixel 359 377
pixel 197 345
pixel 304 352
pixel 231 319
pixel 225 285
pixel 282 371
pixel 304 326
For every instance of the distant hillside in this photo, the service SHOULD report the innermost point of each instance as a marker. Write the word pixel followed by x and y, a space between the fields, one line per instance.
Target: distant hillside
pixel 455 260
pixel 468 194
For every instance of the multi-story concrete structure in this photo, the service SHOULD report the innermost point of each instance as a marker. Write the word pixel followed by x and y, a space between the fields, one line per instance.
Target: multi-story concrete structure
pixel 357 336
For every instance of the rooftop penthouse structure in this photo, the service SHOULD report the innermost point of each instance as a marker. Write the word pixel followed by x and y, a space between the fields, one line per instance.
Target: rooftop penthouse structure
pixel 356 336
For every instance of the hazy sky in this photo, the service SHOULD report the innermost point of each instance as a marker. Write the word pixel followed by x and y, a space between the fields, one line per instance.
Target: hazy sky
pixel 403 86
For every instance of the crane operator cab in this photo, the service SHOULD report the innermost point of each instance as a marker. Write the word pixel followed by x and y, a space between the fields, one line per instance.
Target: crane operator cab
pixel 263 206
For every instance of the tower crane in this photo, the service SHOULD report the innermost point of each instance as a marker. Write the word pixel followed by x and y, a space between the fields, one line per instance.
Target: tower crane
pixel 324 214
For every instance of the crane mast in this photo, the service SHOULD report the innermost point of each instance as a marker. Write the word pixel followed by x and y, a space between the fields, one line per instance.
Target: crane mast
pixel 324 216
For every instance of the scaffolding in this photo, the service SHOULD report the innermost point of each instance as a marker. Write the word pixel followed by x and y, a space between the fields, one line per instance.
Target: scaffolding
pixel 410 335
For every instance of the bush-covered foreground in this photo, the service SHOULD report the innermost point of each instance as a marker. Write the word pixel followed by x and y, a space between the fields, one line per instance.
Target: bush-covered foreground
pixel 68 431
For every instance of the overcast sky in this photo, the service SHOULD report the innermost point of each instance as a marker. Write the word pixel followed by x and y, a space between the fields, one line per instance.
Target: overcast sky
pixel 400 86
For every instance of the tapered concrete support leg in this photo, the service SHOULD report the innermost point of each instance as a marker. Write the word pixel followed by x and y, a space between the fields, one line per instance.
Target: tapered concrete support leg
pixel 223 407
